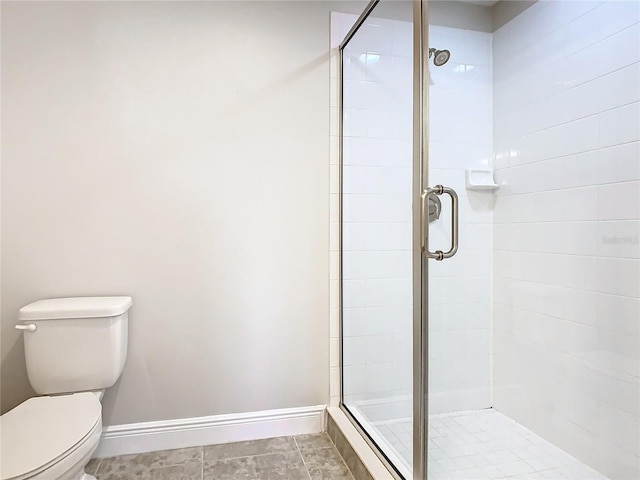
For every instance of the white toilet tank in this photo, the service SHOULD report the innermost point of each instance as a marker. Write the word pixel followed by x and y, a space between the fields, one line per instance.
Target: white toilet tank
pixel 75 344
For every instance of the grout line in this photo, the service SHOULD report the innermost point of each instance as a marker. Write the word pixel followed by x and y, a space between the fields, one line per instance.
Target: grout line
pixel 261 454
pixel 202 464
pixel 98 467
pixel 306 469
pixel 183 462
pixel 175 464
pixel 250 456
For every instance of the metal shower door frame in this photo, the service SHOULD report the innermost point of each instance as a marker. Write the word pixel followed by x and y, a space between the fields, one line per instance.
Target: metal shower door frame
pixel 420 231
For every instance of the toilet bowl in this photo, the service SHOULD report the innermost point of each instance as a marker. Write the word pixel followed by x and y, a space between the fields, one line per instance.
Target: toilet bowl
pixel 53 436
pixel 49 438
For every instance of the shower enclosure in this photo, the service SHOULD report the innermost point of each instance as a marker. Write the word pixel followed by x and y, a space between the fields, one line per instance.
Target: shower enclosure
pixel 489 237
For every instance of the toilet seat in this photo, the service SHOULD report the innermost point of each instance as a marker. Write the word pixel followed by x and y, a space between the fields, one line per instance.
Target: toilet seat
pixel 43 431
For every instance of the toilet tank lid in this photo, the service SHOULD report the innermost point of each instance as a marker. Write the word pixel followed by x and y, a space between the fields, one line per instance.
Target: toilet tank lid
pixel 77 307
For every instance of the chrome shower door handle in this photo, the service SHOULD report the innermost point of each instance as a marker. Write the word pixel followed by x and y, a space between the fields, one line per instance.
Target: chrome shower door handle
pixel 439 254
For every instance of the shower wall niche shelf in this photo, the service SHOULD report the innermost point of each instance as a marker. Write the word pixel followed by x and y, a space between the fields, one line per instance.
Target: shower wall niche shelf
pixel 477 179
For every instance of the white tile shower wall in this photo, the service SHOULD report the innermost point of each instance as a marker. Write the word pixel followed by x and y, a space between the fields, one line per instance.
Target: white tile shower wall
pixel 377 229
pixel 566 235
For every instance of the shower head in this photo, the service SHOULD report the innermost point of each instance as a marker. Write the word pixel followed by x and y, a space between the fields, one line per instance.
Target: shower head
pixel 440 57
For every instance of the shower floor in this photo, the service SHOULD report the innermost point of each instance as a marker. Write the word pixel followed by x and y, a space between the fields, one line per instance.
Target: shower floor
pixel 484 444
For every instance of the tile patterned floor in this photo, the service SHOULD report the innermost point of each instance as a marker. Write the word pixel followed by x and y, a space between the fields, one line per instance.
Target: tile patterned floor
pixel 302 457
pixel 486 444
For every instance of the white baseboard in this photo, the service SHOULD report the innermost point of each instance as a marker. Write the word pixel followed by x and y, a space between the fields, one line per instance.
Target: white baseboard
pixel 192 432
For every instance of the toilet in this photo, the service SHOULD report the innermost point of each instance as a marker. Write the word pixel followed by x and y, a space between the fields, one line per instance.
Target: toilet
pixel 75 348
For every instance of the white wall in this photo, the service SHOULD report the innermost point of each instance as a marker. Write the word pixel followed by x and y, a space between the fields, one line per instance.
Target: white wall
pixel 567 254
pixel 177 153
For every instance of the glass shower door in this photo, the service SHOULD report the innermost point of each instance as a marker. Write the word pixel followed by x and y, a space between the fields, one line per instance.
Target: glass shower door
pixel 395 224
pixel 459 306
pixel 377 223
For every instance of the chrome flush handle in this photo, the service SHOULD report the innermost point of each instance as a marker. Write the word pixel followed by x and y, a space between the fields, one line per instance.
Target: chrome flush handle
pixel 439 254
pixel 30 327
